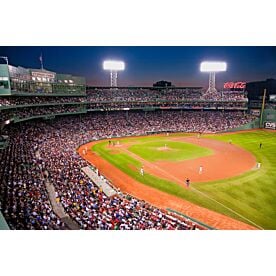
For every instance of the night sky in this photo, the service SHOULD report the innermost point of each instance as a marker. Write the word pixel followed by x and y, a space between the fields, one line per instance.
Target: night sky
pixel 146 65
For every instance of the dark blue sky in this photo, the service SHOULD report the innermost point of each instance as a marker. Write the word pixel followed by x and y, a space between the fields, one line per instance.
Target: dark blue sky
pixel 146 65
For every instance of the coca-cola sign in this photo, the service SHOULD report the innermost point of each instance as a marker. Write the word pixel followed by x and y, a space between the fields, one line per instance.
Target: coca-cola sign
pixel 234 85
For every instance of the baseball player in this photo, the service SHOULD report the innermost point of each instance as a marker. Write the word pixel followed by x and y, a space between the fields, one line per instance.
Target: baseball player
pixel 200 170
pixel 187 182
pixel 142 171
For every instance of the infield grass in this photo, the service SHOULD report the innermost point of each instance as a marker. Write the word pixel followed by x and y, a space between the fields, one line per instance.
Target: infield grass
pixel 252 195
pixel 175 151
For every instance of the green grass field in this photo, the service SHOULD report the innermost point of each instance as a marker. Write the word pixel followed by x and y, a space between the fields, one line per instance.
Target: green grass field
pixel 251 195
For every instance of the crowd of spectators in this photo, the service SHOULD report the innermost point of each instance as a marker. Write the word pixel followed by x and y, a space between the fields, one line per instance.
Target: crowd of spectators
pixel 121 123
pixel 195 105
pixel 141 94
pixel 31 111
pixel 115 99
pixel 21 100
pixel 194 121
pixel 158 95
pixel 23 197
pixel 232 96
pixel 129 95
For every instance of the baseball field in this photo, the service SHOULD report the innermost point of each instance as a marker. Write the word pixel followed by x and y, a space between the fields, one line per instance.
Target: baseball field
pixel 228 192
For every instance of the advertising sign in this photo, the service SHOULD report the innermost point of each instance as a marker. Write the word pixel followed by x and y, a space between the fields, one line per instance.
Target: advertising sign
pixel 270 125
pixel 234 85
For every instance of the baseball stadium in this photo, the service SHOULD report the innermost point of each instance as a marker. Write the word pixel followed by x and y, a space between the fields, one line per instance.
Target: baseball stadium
pixel 164 157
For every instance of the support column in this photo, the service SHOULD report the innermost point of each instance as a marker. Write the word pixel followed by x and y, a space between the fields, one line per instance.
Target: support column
pixel 212 83
pixel 113 78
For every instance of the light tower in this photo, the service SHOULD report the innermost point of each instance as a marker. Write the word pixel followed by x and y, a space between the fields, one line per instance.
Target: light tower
pixel 212 67
pixel 113 66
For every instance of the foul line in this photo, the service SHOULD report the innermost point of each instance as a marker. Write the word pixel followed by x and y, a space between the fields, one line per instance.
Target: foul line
pixel 179 180
pixel 258 226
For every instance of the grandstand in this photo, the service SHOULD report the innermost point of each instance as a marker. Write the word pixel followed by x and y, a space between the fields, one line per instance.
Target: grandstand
pixel 46 116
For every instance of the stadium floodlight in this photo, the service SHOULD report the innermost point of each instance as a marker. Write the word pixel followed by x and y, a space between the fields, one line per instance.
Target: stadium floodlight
pixel 113 66
pixel 212 67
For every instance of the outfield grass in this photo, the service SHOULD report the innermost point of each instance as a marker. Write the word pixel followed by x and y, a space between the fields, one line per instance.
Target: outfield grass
pixel 252 194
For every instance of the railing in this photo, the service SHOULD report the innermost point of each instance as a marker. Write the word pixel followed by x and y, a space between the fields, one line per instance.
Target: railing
pixel 192 219
pixel 4 107
pixel 46 116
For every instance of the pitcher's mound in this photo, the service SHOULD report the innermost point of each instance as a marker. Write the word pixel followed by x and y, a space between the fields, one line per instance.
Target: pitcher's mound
pixel 163 148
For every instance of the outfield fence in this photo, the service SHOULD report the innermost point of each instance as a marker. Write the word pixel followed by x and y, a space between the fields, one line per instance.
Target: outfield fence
pixel 252 125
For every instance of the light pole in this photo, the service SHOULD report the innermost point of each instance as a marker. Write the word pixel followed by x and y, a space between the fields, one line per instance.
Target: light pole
pixel 212 67
pixel 113 66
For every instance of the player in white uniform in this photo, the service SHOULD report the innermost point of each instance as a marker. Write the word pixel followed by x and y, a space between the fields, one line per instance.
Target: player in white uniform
pixel 142 171
pixel 200 170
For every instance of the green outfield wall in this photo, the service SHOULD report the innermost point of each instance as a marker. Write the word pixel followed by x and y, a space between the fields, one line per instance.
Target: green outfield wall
pixel 269 115
pixel 251 125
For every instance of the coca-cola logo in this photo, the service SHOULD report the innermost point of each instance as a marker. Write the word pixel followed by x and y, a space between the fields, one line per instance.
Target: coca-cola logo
pixel 235 85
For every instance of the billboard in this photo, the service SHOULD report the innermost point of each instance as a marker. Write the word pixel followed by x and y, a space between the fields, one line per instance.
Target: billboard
pixel 272 98
pixel 270 125
pixel 43 75
pixel 256 112
pixel 234 85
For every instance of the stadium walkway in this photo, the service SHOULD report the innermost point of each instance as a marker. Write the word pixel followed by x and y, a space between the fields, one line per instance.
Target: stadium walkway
pixel 58 208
